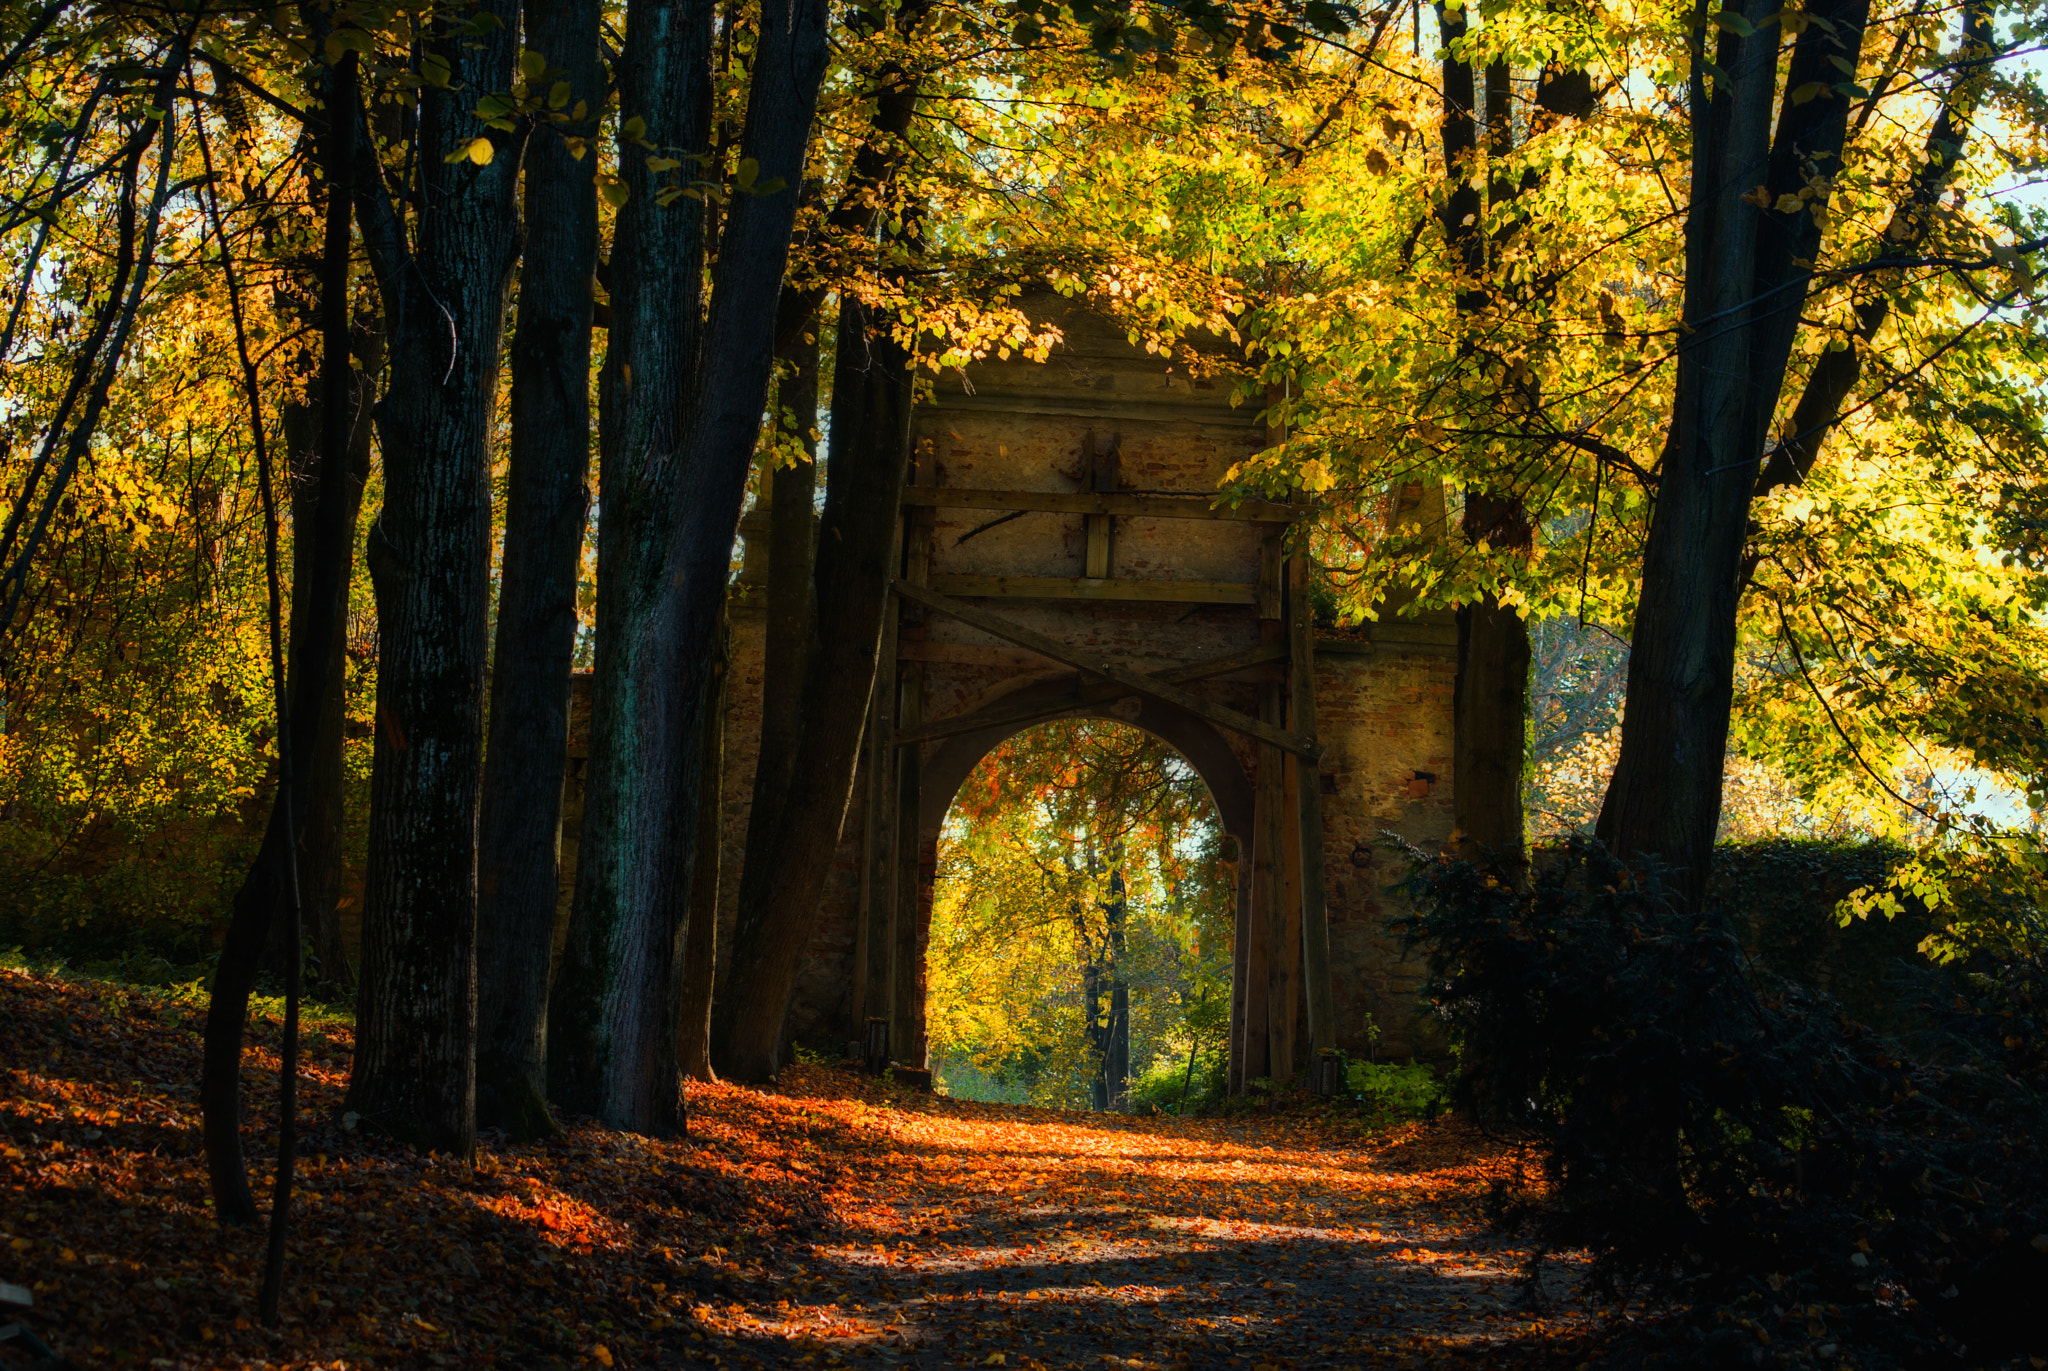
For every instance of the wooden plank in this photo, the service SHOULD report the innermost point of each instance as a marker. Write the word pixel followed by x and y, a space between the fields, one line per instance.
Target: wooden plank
pixel 1097 588
pixel 1189 506
pixel 972 654
pixel 1088 694
pixel 1315 915
pixel 1271 873
pixel 904 1005
pixel 1083 660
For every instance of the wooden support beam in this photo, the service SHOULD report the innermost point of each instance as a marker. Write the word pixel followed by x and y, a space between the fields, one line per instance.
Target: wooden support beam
pixel 996 716
pixel 904 969
pixel 1098 588
pixel 1315 917
pixel 1189 506
pixel 1282 1001
pixel 1082 660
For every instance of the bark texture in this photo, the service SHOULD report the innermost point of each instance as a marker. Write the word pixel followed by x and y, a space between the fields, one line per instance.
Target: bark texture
pixel 856 551
pixel 429 559
pixel 700 939
pixel 519 828
pixel 1490 706
pixel 613 1048
pixel 1747 268
pixel 318 619
pixel 610 1043
pixel 782 880
pixel 792 596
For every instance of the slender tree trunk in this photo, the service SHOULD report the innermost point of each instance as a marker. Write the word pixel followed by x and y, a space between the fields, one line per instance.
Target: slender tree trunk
pixel 792 595
pixel 429 560
pixel 1747 266
pixel 323 819
pixel 783 878
pixel 1116 1058
pixel 1835 373
pixel 700 939
pixel 787 864
pixel 1490 700
pixel 519 827
pixel 616 999
pixel 608 1034
pixel 319 613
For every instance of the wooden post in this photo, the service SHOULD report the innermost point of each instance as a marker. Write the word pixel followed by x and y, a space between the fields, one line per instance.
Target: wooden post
pixel 1240 967
pixel 1272 864
pixel 905 1008
pixel 1104 475
pixel 1315 918
pixel 903 978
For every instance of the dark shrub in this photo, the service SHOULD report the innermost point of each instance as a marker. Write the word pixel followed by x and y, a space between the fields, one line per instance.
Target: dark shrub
pixel 1799 1183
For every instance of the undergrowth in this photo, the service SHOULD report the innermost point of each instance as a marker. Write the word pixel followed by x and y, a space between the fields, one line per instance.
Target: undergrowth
pixel 1808 1190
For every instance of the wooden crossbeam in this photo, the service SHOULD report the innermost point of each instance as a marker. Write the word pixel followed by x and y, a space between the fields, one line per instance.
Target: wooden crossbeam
pixel 1099 588
pixel 1191 506
pixel 1080 660
pixel 996 716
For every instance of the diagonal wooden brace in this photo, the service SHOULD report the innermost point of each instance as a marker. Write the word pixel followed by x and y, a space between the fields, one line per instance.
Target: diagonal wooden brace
pixel 1135 681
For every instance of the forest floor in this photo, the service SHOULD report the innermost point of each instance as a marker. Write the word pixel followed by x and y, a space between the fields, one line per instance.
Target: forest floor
pixel 834 1221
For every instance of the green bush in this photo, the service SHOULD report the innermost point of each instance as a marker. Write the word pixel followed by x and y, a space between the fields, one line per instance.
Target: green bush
pixel 1395 1090
pixel 1750 1151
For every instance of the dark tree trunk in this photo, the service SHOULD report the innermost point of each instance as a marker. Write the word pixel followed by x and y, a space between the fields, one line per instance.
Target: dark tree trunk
pixel 319 615
pixel 323 819
pixel 1490 706
pixel 609 1042
pixel 783 877
pixel 792 597
pixel 519 825
pixel 1746 269
pixel 429 560
pixel 612 1048
pixel 1491 698
pixel 700 938
pixel 1835 373
pixel 787 864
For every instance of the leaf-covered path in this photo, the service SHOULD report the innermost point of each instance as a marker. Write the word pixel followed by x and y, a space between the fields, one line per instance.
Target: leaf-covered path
pixel 996 1236
pixel 836 1221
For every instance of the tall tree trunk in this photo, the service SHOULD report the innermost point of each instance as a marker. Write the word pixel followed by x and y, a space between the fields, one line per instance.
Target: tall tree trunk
pixel 788 864
pixel 519 826
pixel 1835 373
pixel 319 613
pixel 615 1000
pixel 1490 699
pixel 429 560
pixel 1116 1060
pixel 607 1014
pixel 700 938
pixel 323 819
pixel 1746 267
pixel 783 878
pixel 792 595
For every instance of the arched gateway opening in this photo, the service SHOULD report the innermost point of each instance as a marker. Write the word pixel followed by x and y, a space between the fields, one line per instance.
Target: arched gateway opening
pixel 1083 916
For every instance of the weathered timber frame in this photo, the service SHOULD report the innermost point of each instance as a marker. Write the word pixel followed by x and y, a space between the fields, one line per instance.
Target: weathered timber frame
pixel 1287 876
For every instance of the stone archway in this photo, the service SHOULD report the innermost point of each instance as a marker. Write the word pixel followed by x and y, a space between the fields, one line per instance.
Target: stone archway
pixel 1063 555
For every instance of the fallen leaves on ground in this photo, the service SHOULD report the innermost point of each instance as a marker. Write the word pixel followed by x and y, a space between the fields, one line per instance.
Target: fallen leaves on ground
pixel 834 1221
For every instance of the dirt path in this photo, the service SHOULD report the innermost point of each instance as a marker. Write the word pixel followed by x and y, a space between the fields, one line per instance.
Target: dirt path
pixel 833 1222
pixel 991 1236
